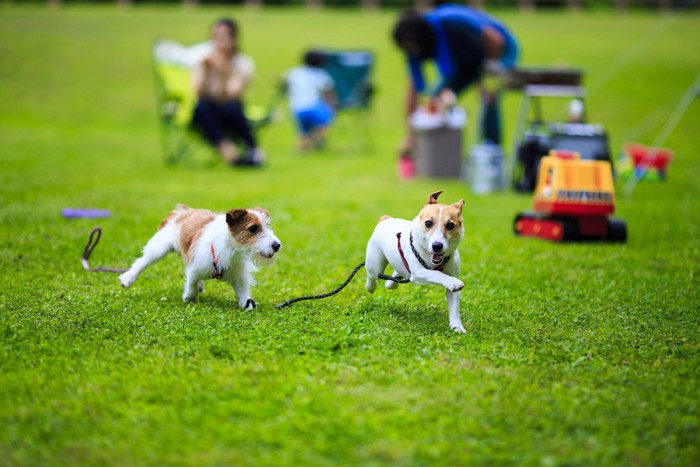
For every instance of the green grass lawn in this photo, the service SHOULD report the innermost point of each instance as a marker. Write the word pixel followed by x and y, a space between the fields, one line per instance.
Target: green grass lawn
pixel 576 354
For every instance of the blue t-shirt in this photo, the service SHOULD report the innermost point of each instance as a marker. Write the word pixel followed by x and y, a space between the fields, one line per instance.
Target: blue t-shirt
pixel 459 52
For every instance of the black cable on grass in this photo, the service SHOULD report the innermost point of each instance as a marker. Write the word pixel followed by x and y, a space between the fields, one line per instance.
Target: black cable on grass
pixel 93 240
pixel 341 287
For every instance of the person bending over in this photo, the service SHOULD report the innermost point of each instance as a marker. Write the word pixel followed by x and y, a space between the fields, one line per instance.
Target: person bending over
pixel 462 42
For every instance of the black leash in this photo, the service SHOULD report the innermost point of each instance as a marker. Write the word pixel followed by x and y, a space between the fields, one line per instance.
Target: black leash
pixel 341 287
pixel 93 240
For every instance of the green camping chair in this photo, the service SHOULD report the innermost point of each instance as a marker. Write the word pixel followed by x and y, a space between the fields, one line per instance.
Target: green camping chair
pixel 175 98
pixel 351 72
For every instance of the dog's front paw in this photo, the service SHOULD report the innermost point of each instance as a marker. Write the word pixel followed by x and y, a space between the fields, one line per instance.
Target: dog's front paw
pixel 458 328
pixel 454 285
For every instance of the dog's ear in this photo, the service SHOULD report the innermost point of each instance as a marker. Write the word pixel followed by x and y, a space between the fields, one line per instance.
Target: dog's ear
pixel 459 205
pixel 234 216
pixel 432 199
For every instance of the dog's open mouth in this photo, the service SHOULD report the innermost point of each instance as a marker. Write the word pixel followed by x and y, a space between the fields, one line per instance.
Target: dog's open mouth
pixel 437 258
pixel 267 255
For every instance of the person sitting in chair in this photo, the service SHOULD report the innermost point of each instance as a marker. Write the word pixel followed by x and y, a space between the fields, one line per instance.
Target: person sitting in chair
pixel 219 81
pixel 312 99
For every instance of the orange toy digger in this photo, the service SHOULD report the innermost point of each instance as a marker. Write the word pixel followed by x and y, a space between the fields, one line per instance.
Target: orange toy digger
pixel 573 201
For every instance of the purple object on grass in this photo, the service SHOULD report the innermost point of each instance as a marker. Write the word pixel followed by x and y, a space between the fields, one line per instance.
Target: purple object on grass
pixel 78 213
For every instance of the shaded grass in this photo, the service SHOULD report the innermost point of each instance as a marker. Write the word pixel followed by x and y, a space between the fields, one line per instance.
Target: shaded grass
pixel 575 354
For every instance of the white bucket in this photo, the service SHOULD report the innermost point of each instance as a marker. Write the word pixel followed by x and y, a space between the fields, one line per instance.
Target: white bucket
pixel 485 169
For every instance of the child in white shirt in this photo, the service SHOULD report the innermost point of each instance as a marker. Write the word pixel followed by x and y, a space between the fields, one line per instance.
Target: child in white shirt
pixel 312 99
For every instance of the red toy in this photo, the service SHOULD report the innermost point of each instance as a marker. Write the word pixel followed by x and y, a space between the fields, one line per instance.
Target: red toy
pixel 648 160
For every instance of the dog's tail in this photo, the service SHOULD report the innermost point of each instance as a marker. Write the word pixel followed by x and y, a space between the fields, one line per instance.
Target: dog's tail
pixel 93 240
pixel 340 287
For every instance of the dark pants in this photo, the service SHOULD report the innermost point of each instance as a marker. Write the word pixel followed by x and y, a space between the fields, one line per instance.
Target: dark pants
pixel 490 130
pixel 217 120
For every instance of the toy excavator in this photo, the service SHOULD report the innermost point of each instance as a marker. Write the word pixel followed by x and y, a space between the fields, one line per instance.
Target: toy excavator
pixel 573 201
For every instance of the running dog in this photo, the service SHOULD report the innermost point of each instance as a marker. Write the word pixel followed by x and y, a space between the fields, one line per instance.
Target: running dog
pixel 213 246
pixel 423 250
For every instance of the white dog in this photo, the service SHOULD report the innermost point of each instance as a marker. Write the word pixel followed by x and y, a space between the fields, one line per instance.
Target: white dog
pixel 213 246
pixel 423 250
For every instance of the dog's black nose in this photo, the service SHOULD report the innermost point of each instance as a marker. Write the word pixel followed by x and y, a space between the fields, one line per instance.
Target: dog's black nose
pixel 437 247
pixel 276 246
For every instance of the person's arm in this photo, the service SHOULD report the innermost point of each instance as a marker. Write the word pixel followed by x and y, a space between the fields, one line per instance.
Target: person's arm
pixel 235 86
pixel 330 97
pixel 411 101
pixel 198 77
pixel 241 75
pixel 328 90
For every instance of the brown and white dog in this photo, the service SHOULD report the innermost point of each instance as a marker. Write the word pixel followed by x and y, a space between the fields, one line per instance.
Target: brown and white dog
pixel 213 246
pixel 423 250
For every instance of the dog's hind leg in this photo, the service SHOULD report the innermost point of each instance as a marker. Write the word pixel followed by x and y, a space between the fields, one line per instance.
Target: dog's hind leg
pixel 375 264
pixel 158 246
pixel 192 282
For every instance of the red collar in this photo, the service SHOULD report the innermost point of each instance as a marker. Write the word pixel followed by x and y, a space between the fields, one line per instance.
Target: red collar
pixel 218 273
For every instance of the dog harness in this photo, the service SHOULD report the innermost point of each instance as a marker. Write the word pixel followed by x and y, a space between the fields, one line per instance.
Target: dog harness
pixel 440 267
pixel 403 258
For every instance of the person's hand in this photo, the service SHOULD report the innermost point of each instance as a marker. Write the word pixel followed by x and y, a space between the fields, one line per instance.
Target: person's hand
pixel 494 67
pixel 448 98
pixel 215 62
pixel 444 101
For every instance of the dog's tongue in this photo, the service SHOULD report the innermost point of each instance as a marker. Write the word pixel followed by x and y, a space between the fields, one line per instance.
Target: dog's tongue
pixel 436 258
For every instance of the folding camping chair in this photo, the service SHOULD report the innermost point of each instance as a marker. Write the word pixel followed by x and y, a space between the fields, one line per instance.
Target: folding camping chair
pixel 351 72
pixel 175 98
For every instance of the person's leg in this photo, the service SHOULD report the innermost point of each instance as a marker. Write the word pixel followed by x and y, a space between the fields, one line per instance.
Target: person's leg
pixel 208 119
pixel 237 123
pixel 317 121
pixel 299 117
pixel 490 129
pixel 325 117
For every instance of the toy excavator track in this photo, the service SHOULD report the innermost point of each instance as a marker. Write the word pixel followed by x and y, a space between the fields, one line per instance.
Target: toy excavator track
pixel 566 229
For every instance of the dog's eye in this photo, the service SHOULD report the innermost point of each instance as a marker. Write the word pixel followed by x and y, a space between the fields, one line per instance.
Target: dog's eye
pixel 428 224
pixel 450 225
pixel 254 229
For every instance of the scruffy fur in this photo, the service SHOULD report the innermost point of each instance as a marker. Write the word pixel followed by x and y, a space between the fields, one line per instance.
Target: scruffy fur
pixel 437 231
pixel 223 246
